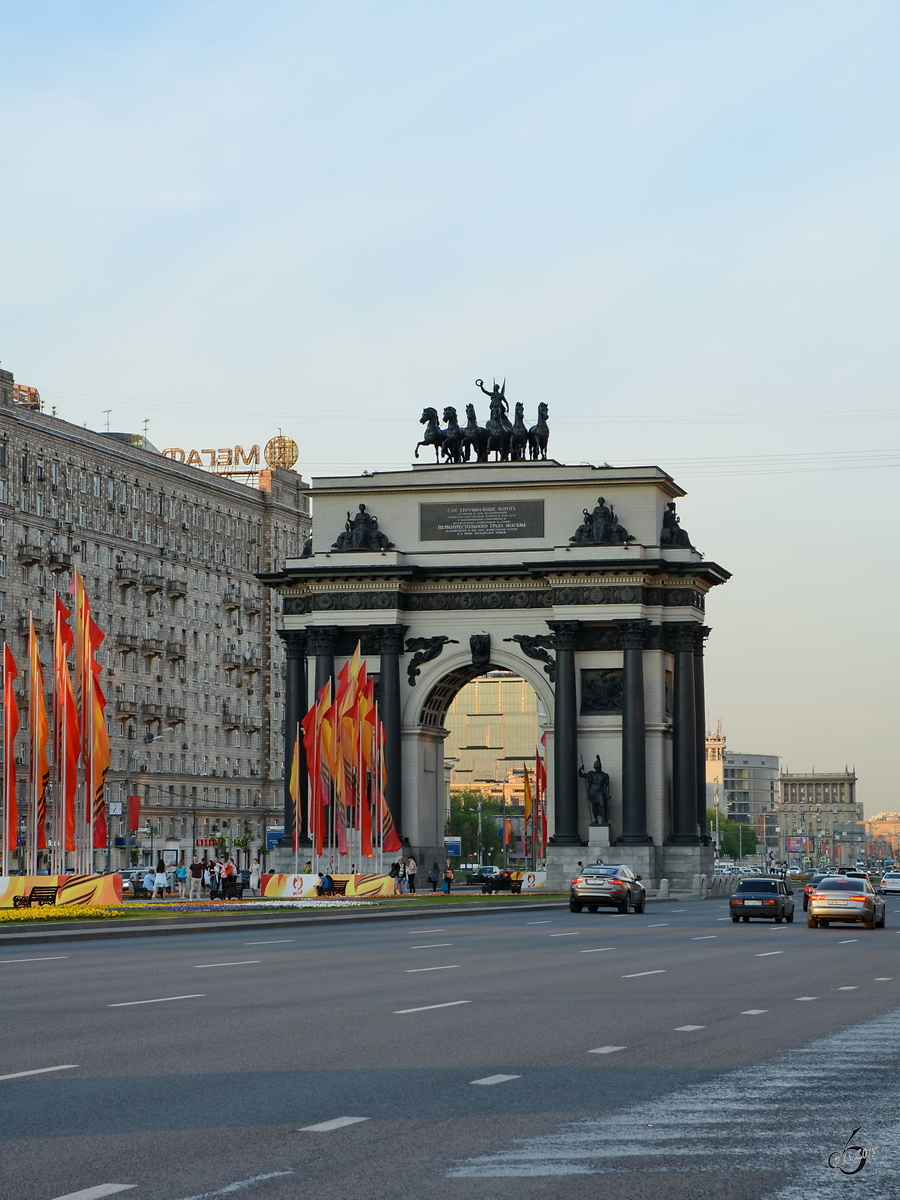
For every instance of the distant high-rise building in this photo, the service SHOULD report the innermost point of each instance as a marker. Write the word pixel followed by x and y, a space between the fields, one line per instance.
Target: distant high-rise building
pixel 751 795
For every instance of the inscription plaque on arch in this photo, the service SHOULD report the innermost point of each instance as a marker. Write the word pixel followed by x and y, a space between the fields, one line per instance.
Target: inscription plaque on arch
pixel 479 520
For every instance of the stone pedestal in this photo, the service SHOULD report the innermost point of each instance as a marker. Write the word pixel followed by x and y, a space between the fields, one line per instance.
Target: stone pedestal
pixel 598 841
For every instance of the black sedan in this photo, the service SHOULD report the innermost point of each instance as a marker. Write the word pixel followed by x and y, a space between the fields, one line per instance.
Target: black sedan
pixel 770 899
pixel 607 887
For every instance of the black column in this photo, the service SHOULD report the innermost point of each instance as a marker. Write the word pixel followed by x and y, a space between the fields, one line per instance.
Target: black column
pixel 391 637
pixel 322 640
pixel 294 709
pixel 565 736
pixel 700 721
pixel 634 750
pixel 684 807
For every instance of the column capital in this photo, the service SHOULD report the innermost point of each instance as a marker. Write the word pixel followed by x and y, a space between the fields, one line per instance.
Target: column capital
pixel 703 632
pixel 294 640
pixel 633 634
pixel 684 635
pixel 322 639
pixel 390 638
pixel 567 634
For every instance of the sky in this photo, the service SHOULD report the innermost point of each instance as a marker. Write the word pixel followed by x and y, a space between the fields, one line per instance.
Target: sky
pixel 675 223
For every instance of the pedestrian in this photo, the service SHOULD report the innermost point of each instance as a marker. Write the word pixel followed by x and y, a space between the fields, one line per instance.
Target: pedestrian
pixel 195 874
pixel 181 879
pixel 207 875
pixel 599 862
pixel 255 876
pixel 394 873
pixel 401 863
pixel 580 866
pixel 307 870
pixel 160 881
pixel 448 877
pixel 411 868
pixel 434 877
pixel 149 880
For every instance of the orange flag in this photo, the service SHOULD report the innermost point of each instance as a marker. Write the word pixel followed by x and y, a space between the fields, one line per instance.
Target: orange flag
pixel 39 767
pixel 390 840
pixel 528 801
pixel 65 729
pixel 100 754
pixel 10 729
pixel 367 718
pixel 295 791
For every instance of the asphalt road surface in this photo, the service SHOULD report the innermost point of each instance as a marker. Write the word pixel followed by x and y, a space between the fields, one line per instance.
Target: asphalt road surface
pixel 514 1054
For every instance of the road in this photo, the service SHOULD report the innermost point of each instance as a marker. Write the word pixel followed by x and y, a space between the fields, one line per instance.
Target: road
pixel 519 1054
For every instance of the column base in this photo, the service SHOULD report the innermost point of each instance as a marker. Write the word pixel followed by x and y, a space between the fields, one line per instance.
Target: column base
pixel 634 839
pixel 683 839
pixel 566 839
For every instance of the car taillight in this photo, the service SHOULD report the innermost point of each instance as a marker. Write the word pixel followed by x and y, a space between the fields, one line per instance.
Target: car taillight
pixel 809 890
pixel 613 879
pixel 862 899
pixel 735 899
pixel 578 879
pixel 818 896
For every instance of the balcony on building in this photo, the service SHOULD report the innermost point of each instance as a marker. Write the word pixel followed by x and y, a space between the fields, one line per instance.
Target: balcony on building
pixel 128 576
pixel 127 708
pixel 59 560
pixel 176 649
pixel 153 646
pixel 176 713
pixel 232 720
pixel 231 598
pixel 25 623
pixel 152 583
pixel 127 641
pixel 175 588
pixel 251 604
pixel 28 554
pixel 152 712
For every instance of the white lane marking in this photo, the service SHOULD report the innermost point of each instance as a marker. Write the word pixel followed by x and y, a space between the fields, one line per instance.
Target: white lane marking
pixel 51 958
pixel 663 925
pixel 806 997
pixel 607 1049
pixel 769 953
pixel 723 918
pixel 574 933
pixel 431 946
pixel 490 1079
pixel 596 950
pixel 705 937
pixel 415 931
pixel 638 974
pixel 43 1071
pixel 847 941
pixel 687 1028
pixel 230 1188
pixel 753 1012
pixel 847 988
pixel 538 922
pixel 336 1123
pixel 247 962
pixel 100 1190
pixel 426 1007
pixel 161 1000
pixel 883 978
pixel 273 942
pixel 419 970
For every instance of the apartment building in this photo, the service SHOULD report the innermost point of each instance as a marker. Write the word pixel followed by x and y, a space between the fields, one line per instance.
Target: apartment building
pixel 193 665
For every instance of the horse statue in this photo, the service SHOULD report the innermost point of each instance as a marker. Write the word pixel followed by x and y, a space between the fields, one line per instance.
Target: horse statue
pixel 434 435
pixel 499 432
pixel 452 445
pixel 475 437
pixel 518 438
pixel 539 435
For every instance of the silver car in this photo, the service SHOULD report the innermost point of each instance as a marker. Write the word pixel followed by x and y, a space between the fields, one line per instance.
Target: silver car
pixel 891 882
pixel 837 898
pixel 607 887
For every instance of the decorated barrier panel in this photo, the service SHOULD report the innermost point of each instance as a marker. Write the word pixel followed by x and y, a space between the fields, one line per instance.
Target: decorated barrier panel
pixel 531 880
pixel 291 887
pixel 73 889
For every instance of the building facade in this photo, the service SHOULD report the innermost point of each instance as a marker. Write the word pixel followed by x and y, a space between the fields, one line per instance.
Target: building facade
pixel 820 817
pixel 193 665
pixel 883 835
pixel 751 786
pixel 493 726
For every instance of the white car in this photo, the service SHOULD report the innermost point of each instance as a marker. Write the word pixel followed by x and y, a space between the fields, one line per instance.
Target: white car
pixel 890 882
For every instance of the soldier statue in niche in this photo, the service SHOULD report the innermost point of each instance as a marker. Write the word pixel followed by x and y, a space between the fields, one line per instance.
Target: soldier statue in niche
pixel 597 783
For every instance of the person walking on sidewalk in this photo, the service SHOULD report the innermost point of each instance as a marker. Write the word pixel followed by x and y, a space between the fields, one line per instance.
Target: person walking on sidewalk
pixel 411 869
pixel 160 882
pixel 255 876
pixel 181 878
pixel 195 874
pixel 434 877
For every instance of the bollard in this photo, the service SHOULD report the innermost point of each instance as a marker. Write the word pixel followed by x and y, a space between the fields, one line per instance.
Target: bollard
pixel 696 884
pixel 664 889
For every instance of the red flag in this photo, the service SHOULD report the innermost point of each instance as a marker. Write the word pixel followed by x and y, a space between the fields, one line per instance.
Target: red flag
pixel 507 831
pixel 134 813
pixel 295 791
pixel 390 840
pixel 10 729
pixel 39 767
pixel 367 719
pixel 100 753
pixel 65 729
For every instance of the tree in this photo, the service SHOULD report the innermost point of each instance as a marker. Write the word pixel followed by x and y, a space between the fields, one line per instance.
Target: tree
pixel 463 823
pixel 737 838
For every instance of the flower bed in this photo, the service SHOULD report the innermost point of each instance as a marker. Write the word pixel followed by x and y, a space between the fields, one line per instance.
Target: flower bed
pixel 51 912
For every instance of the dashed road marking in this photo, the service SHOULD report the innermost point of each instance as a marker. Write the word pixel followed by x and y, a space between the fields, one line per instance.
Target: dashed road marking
pixel 769 953
pixel 607 1049
pixel 847 941
pixel 753 1012
pixel 50 958
pixel 596 950
pixel 706 937
pixel 161 1000
pixel 687 1028
pixel 638 974
pixel 247 962
pixel 335 1123
pixel 883 978
pixel 663 925
pixel 491 1079
pixel 848 987
pixel 426 1007
pixel 273 942
pixel 431 946
pixel 419 970
pixel 574 933
pixel 42 1071
pixel 230 1188
pixel 806 997
pixel 98 1191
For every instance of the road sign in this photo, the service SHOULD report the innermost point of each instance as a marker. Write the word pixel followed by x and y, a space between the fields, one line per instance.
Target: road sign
pixel 453 846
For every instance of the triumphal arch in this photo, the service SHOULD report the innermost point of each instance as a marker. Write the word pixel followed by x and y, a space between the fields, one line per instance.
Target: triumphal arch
pixel 579 578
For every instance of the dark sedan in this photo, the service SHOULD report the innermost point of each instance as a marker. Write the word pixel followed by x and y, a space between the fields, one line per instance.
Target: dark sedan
pixel 607 887
pixel 810 887
pixel 770 899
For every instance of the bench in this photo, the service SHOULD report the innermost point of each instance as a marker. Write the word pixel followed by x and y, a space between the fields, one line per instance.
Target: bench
pixel 38 896
pixel 338 888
